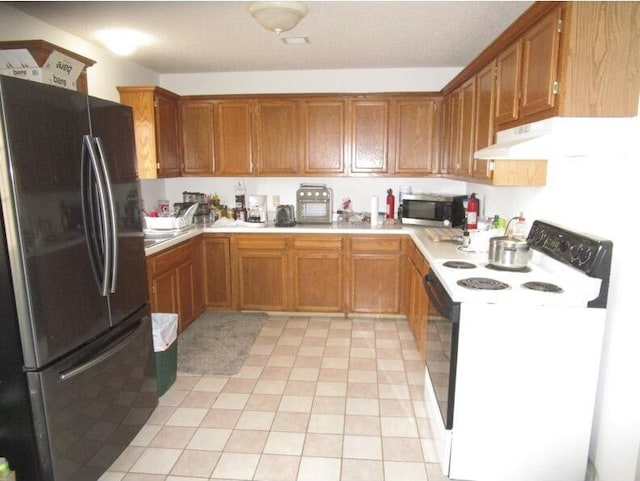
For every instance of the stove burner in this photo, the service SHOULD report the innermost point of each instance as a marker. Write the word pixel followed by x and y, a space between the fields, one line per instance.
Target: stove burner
pixel 483 283
pixel 508 269
pixel 542 286
pixel 459 265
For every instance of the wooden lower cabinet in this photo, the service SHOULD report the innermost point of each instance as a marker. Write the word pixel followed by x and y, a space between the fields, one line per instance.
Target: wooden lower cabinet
pixel 175 281
pixel 376 274
pixel 316 267
pixel 259 266
pixel 417 299
pixel 217 271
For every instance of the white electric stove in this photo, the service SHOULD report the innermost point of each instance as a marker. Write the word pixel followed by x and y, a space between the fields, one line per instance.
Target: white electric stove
pixel 513 359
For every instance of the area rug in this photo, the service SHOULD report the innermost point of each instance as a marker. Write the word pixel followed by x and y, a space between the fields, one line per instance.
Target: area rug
pixel 217 343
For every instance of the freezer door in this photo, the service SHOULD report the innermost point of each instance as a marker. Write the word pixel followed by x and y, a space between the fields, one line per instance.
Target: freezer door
pixel 112 129
pixel 58 302
pixel 92 405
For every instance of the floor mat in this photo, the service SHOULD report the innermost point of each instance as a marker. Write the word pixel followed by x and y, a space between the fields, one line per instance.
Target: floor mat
pixel 217 343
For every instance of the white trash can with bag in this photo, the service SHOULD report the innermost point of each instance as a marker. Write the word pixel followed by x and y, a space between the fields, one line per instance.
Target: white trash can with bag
pixel 165 345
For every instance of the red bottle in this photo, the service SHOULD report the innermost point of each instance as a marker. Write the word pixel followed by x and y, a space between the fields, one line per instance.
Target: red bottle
pixel 473 206
pixel 391 202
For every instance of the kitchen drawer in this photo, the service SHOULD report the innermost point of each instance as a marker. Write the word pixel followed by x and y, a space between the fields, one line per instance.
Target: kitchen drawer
pixel 257 242
pixel 376 244
pixel 323 242
pixel 170 259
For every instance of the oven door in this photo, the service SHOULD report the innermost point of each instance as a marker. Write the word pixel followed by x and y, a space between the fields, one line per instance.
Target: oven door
pixel 442 347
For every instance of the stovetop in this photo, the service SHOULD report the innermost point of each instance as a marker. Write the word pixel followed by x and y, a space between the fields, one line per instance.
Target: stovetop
pixel 566 269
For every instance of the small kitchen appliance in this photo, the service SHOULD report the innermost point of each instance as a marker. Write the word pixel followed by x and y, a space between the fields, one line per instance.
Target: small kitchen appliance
pixel 513 359
pixel 433 209
pixel 285 216
pixel 257 209
pixel 314 204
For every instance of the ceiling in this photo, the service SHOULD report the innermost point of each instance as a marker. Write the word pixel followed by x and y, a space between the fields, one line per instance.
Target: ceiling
pixel 221 36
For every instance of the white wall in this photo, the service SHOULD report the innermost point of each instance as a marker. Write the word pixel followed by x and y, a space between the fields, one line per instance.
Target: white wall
pixel 308 81
pixel 596 195
pixel 102 78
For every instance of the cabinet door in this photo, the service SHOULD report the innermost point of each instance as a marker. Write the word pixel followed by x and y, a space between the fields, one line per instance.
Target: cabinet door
pixel 261 272
pixel 540 47
pixel 376 274
pixel 217 272
pixel 508 71
pixel 415 121
pixel 186 304
pixel 197 259
pixel 167 141
pixel 444 134
pixel 467 125
pixel 232 137
pixel 197 137
pixel 369 136
pixel 276 137
pixel 164 292
pixel 485 97
pixel 317 274
pixel 455 127
pixel 324 136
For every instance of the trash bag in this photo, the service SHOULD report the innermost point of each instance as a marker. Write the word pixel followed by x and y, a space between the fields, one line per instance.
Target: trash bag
pixel 165 330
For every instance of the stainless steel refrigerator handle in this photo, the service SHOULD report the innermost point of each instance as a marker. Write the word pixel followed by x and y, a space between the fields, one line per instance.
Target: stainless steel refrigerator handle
pixel 103 356
pixel 108 262
pixel 112 214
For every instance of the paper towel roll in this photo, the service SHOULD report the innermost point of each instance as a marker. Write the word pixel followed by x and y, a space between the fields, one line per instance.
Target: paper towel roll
pixel 374 210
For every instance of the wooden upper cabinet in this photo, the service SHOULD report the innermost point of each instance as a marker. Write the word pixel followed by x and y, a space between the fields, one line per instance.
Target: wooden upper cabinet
pixel 276 137
pixel 600 59
pixel 455 125
pixel 527 72
pixel 540 47
pixel 508 71
pixel 196 120
pixel 155 117
pixel 467 126
pixel 415 134
pixel 444 134
pixel 484 113
pixel 323 135
pixel 232 137
pixel 369 129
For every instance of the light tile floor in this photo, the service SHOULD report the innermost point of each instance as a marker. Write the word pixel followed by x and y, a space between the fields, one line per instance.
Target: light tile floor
pixel 318 398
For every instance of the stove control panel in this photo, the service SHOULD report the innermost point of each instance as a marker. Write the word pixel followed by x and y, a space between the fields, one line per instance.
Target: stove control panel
pixel 589 254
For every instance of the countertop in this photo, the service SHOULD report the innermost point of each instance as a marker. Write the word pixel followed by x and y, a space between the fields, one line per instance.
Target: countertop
pixel 433 251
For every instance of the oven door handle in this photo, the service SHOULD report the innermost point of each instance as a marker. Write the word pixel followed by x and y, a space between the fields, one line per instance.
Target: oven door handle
pixel 439 298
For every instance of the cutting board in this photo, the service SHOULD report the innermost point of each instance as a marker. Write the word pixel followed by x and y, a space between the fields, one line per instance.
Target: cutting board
pixel 438 234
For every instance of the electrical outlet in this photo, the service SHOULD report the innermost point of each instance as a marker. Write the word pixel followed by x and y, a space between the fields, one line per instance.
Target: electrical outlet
pixel 276 200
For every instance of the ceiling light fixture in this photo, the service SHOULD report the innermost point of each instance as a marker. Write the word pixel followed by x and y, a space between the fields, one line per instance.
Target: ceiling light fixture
pixel 123 41
pixel 278 17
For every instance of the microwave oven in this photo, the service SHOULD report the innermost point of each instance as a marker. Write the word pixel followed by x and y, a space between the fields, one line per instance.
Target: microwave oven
pixel 433 210
pixel 314 204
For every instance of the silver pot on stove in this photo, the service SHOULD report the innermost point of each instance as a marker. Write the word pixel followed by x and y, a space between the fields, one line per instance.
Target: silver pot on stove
pixel 509 252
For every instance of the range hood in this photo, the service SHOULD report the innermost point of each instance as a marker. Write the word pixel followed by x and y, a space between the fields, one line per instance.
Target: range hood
pixel 563 136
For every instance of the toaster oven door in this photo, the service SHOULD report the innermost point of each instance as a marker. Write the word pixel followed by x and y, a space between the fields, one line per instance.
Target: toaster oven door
pixel 314 212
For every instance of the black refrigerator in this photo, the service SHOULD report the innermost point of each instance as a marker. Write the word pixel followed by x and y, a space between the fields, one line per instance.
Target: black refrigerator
pixel 77 372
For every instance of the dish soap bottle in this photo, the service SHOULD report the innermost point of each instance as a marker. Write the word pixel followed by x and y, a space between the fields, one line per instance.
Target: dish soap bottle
pixel 520 229
pixel 5 471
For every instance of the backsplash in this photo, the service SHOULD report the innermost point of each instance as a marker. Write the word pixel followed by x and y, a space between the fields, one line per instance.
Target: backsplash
pixel 359 190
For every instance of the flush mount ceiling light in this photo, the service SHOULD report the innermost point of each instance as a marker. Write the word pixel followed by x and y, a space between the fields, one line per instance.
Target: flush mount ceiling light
pixel 123 41
pixel 278 17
